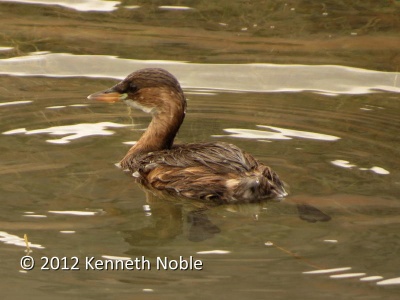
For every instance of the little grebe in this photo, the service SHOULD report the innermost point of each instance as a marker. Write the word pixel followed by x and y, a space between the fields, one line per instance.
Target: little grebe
pixel 219 171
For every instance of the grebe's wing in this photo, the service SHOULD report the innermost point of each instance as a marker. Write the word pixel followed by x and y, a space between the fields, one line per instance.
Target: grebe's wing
pixel 219 172
pixel 217 157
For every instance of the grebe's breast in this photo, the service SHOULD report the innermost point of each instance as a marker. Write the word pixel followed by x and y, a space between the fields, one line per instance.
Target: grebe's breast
pixel 219 172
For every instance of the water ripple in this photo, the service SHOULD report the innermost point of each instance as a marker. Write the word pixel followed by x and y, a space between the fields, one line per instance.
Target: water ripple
pixel 11 239
pixel 71 132
pixel 277 134
pixel 328 79
pixel 15 102
pixel 79 5
pixel 347 165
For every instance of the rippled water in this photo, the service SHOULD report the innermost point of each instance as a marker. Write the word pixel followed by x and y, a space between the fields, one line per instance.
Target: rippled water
pixel 330 129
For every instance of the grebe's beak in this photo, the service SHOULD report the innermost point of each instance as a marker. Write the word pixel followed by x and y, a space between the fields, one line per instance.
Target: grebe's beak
pixel 109 96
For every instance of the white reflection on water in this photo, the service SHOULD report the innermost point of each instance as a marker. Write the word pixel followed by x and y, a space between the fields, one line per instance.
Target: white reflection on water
pixel 347 275
pixel 64 106
pixel 346 164
pixel 364 278
pixel 389 281
pixel 36 216
pixel 73 212
pixel 327 271
pixel 56 107
pixel 214 252
pixel 132 6
pixel 80 5
pixel 377 170
pixel 71 132
pixel 354 275
pixel 32 214
pixel 171 7
pixel 16 240
pixel 233 77
pixel 253 134
pixel 90 5
pixel 302 134
pixel 15 102
pixel 116 257
pixel 331 241
pixel 342 163
pixel 277 134
pixel 371 278
pixel 6 48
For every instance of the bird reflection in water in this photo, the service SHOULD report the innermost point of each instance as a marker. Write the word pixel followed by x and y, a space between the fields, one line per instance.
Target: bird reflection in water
pixel 172 217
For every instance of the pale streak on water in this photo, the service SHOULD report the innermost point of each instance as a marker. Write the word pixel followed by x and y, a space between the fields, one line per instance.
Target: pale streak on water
pixel 229 77
pixel 79 5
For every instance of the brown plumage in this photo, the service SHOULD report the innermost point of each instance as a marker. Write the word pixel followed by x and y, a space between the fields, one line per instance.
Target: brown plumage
pixel 217 172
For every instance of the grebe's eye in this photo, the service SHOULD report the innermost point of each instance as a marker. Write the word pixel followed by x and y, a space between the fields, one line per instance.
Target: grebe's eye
pixel 132 88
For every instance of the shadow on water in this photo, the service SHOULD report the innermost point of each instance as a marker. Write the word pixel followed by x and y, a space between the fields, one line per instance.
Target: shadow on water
pixel 168 217
pixel 172 217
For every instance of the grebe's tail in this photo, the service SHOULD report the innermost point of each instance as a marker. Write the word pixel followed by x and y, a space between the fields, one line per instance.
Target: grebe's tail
pixel 261 184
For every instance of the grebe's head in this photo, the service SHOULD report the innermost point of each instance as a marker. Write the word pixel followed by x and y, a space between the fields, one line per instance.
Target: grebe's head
pixel 152 90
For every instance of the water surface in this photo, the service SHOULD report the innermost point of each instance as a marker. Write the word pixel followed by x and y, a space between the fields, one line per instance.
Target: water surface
pixel 325 118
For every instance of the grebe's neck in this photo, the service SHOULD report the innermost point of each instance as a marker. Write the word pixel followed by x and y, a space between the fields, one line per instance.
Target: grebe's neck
pixel 161 132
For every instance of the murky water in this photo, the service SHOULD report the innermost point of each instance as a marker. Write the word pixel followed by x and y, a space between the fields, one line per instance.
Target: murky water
pixel 320 105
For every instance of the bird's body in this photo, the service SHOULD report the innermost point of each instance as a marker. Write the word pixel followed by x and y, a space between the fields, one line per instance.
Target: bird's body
pixel 217 172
